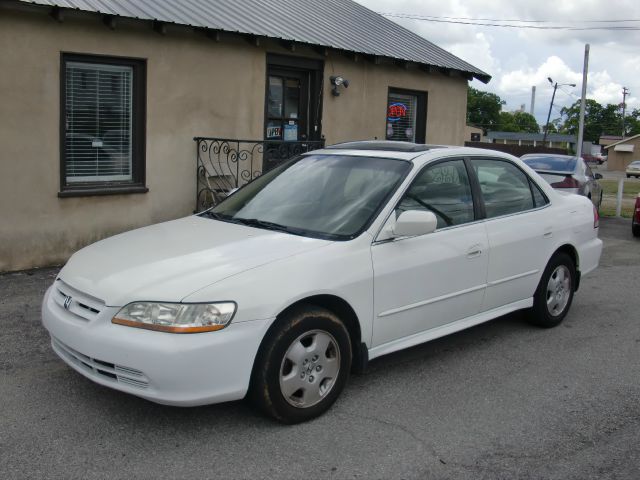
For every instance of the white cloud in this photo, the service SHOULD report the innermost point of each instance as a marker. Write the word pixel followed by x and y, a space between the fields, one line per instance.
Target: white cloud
pixel 477 51
pixel 554 67
pixel 519 58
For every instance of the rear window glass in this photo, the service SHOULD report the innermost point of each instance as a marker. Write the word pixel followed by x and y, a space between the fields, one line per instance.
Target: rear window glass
pixel 553 164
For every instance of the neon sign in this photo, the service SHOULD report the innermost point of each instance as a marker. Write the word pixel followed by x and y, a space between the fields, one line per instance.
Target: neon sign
pixel 396 111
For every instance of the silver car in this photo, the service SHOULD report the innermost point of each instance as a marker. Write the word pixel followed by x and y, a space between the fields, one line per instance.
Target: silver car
pixel 567 173
pixel 633 169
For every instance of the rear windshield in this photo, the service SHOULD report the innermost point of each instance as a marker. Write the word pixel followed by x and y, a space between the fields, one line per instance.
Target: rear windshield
pixel 552 164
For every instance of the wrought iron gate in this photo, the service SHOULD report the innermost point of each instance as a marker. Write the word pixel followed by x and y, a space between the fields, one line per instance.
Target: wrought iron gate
pixel 225 164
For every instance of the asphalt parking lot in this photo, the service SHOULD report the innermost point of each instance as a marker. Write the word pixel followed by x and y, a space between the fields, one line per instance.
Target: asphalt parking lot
pixel 503 400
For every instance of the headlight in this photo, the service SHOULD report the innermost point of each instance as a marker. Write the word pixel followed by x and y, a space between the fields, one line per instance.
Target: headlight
pixel 176 317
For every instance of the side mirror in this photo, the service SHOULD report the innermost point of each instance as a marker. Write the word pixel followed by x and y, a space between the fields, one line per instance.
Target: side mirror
pixel 415 222
pixel 597 176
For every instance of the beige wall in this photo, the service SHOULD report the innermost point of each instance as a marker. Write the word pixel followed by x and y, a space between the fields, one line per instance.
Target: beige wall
pixel 619 160
pixel 195 86
pixel 360 111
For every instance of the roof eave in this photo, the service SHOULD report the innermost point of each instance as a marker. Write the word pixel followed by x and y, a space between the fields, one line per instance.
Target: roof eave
pixel 469 75
pixel 624 140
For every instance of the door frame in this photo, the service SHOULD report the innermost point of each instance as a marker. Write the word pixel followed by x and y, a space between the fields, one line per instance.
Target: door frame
pixel 315 70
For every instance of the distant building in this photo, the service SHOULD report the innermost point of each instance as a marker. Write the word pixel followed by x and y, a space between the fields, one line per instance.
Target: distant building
pixel 554 140
pixel 472 134
pixel 622 153
pixel 606 140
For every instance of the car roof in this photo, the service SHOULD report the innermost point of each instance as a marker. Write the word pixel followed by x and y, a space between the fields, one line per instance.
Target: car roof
pixel 554 155
pixel 384 145
pixel 402 150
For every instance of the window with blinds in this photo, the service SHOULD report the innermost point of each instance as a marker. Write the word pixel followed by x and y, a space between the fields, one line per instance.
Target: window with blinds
pixel 102 125
pixel 406 116
pixel 98 130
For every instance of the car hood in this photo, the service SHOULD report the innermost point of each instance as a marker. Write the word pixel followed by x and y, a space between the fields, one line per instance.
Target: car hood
pixel 169 261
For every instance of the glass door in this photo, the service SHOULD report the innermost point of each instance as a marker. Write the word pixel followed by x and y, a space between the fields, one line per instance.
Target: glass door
pixel 287 105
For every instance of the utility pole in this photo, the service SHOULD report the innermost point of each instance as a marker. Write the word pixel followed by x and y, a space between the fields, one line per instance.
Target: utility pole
pixel 546 125
pixel 625 92
pixel 583 100
pixel 555 87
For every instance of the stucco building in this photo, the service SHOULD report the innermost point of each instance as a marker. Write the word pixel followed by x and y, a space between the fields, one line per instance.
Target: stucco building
pixel 622 153
pixel 102 101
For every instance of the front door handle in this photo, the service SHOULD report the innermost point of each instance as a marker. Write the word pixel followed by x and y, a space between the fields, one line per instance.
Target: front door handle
pixel 548 232
pixel 474 251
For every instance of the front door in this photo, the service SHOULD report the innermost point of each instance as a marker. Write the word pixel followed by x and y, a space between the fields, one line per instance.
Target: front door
pixel 293 106
pixel 424 282
pixel 287 105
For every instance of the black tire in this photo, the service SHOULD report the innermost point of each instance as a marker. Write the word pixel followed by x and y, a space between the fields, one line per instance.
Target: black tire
pixel 635 229
pixel 542 314
pixel 628 176
pixel 302 324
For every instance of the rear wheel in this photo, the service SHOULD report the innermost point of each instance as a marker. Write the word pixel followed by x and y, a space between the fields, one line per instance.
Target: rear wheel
pixel 635 229
pixel 302 366
pixel 554 294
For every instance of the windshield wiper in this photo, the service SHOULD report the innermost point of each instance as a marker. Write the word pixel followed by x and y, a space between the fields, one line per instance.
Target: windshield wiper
pixel 254 222
pixel 217 216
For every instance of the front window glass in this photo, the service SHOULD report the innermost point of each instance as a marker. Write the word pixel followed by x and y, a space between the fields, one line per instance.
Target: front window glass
pixel 505 188
pixel 443 189
pixel 331 196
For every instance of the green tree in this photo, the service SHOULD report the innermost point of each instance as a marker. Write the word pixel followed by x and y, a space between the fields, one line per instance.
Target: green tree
pixel 632 123
pixel 483 109
pixel 518 122
pixel 598 120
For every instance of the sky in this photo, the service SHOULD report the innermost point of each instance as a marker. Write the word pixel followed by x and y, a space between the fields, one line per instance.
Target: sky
pixel 518 58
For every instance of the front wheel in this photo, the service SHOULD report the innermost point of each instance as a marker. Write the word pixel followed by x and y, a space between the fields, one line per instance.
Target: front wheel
pixel 302 366
pixel 554 294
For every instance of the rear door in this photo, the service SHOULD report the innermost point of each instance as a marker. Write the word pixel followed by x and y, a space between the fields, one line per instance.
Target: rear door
pixel 519 231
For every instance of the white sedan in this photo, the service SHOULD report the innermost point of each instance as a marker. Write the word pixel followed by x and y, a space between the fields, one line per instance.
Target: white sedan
pixel 300 277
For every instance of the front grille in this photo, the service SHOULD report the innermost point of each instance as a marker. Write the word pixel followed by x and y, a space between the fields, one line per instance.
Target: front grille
pixel 100 369
pixel 79 304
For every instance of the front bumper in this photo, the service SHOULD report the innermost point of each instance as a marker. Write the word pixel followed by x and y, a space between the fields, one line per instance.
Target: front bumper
pixel 172 369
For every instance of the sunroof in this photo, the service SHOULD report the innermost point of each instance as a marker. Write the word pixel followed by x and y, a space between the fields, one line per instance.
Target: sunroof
pixel 386 145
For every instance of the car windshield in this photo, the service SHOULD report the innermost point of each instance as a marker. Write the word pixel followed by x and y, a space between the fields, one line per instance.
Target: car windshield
pixel 325 196
pixel 551 163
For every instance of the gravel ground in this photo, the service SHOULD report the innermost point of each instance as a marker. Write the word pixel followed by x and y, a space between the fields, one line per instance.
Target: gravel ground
pixel 502 400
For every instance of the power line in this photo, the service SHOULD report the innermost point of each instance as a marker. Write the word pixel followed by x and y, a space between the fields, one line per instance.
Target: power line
pixel 411 15
pixel 509 25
